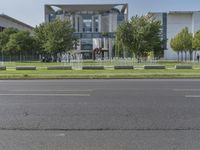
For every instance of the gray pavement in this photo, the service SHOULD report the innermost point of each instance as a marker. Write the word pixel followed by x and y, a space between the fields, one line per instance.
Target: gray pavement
pixel 100 114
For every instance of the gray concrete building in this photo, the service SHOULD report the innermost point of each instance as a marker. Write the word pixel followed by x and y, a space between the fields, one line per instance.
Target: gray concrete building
pixel 91 24
pixel 9 22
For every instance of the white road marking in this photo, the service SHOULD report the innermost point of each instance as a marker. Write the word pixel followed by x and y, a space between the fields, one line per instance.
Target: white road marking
pixel 192 96
pixel 186 90
pixel 74 90
pixel 72 95
pixel 61 135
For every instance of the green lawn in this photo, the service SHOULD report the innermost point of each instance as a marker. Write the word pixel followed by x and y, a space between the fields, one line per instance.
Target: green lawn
pixel 168 64
pixel 170 73
pixel 138 72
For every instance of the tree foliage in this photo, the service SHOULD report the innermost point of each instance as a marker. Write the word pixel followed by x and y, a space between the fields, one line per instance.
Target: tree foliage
pixel 21 43
pixel 182 42
pixel 196 41
pixel 14 43
pixel 5 36
pixel 140 35
pixel 175 44
pixel 55 37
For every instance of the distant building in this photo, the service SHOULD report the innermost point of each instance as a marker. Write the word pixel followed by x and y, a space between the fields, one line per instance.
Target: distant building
pixel 173 22
pixel 9 22
pixel 94 25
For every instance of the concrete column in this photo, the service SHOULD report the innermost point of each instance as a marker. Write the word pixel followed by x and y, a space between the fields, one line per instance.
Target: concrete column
pixel 72 20
pixel 110 22
pixel 105 43
pixel 100 22
pixel 100 42
pixel 110 47
pixel 47 17
pixel 80 24
pixel 195 22
pixel 76 23
pixel 93 23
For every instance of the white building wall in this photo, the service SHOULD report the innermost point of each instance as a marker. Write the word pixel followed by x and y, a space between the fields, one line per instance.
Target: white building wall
pixel 195 22
pixel 175 23
pixel 76 23
pixel 114 23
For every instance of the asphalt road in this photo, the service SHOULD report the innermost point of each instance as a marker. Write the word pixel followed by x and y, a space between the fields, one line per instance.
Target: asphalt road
pixel 100 114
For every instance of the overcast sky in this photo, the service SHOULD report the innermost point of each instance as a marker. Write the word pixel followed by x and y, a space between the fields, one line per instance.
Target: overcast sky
pixel 32 11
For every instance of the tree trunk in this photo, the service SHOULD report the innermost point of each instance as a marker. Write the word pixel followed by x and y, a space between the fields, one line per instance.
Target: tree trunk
pixel 181 55
pixel 178 55
pixel 191 55
pixel 185 56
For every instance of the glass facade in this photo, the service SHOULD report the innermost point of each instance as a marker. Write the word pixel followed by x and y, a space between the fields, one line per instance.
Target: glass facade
pixel 86 44
pixel 87 25
pixel 90 23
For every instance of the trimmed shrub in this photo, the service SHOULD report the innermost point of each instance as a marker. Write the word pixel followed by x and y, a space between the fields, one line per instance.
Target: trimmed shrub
pixel 2 67
pixel 183 67
pixel 123 67
pixel 59 68
pixel 93 68
pixel 155 67
pixel 25 68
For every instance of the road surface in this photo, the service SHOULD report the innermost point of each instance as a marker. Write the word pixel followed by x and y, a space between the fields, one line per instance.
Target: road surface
pixel 100 114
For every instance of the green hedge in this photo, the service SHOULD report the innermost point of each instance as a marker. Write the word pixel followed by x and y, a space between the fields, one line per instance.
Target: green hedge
pixel 154 67
pixel 183 67
pixel 25 68
pixel 123 67
pixel 93 68
pixel 59 68
pixel 2 67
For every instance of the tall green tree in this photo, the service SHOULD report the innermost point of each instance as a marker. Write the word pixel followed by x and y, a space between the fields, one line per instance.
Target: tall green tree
pixel 196 41
pixel 175 44
pixel 186 40
pixel 55 37
pixel 141 35
pixel 21 43
pixel 5 36
pixel 182 42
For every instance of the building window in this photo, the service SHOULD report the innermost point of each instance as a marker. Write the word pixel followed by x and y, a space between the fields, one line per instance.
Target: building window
pixel 87 25
pixel 96 26
pixel 120 19
pixel 78 24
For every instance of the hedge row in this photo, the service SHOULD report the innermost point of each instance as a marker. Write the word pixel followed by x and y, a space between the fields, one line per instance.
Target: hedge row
pixel 98 67
pixel 155 67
